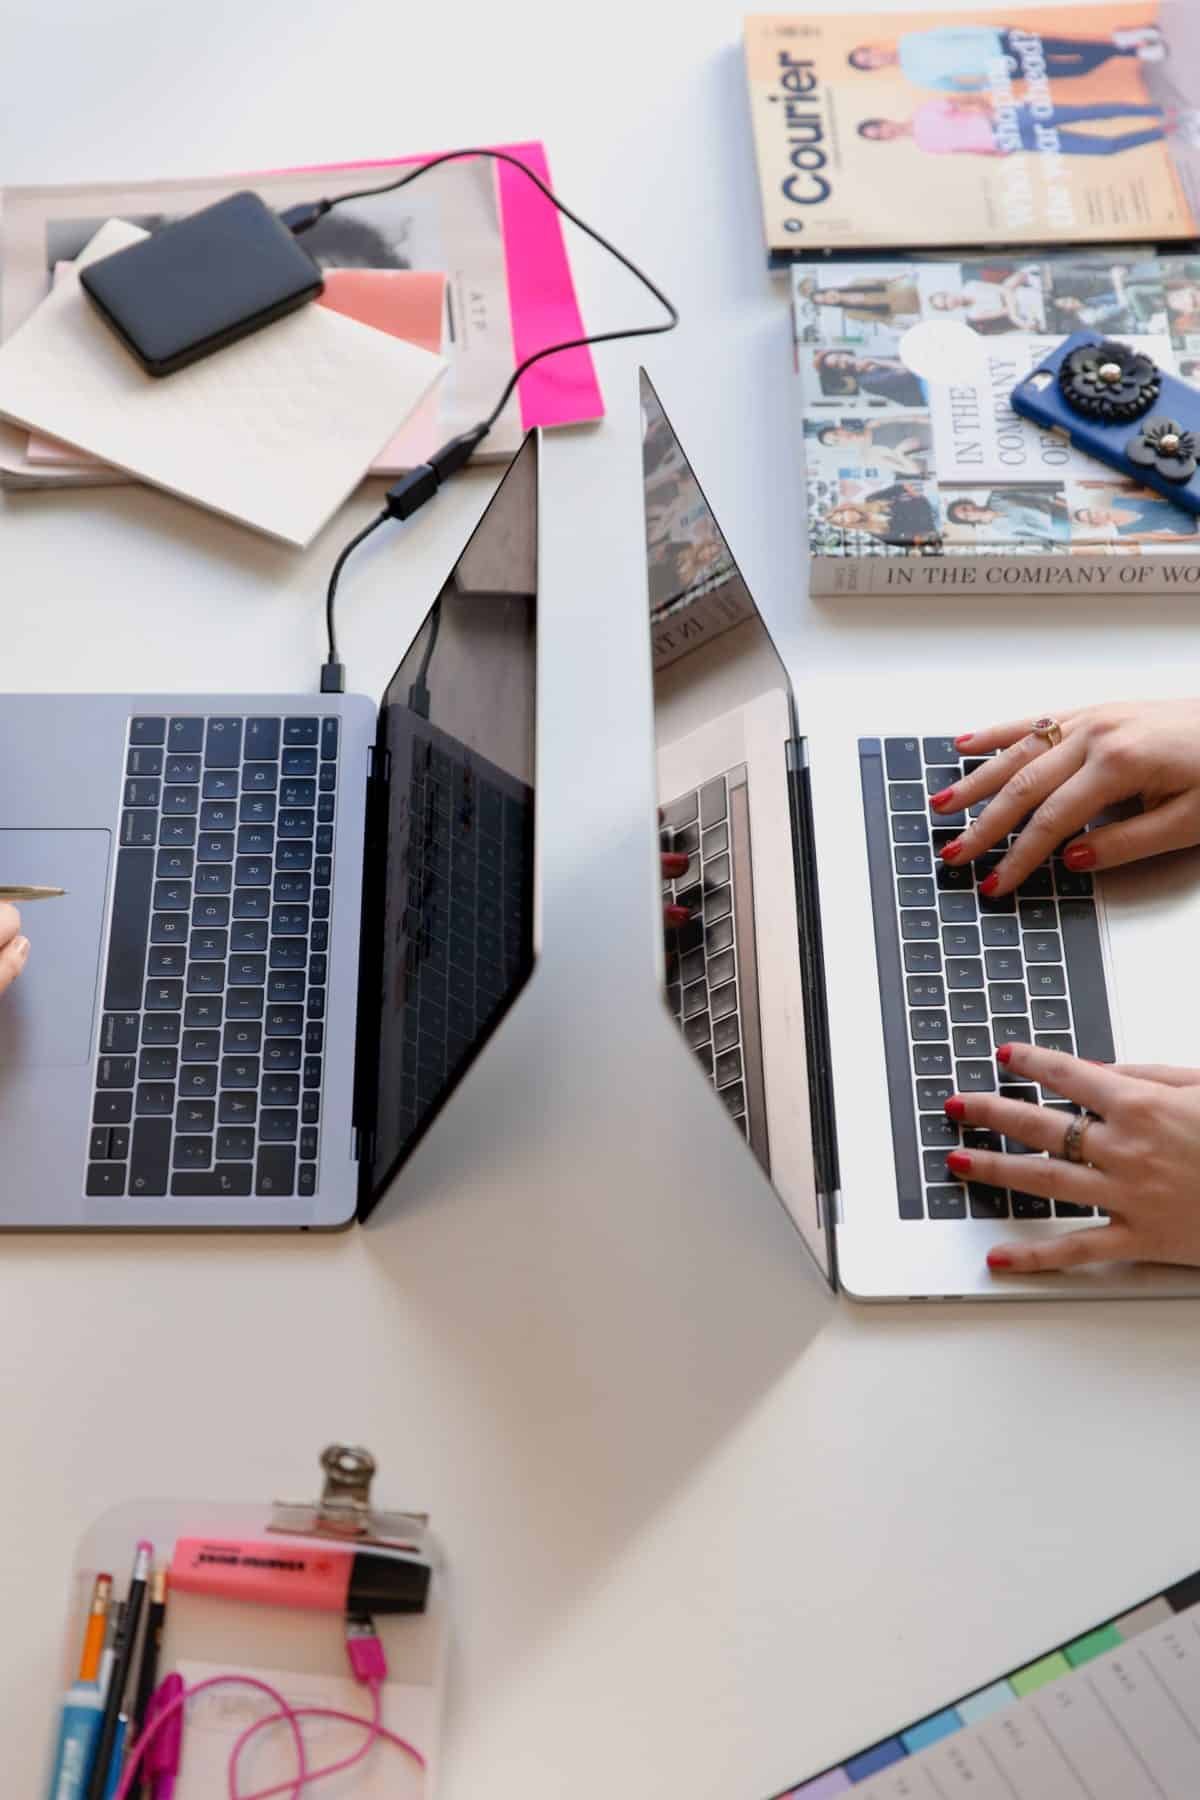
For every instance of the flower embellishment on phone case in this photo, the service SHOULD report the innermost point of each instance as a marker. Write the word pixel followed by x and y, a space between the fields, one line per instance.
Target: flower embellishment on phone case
pixel 1109 382
pixel 1166 446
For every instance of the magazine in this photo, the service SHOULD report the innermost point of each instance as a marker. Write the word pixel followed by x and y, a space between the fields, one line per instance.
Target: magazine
pixel 1030 125
pixel 920 476
pixel 482 224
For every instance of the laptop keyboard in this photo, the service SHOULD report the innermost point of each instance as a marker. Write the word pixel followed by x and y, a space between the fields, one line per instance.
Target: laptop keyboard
pixel 702 972
pixel 209 1070
pixel 962 973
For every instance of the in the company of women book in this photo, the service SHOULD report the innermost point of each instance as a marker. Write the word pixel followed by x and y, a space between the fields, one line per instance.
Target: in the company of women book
pixel 1031 125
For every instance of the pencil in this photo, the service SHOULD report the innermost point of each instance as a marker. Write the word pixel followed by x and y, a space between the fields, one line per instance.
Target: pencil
pixel 151 1646
pixel 97 1625
pixel 113 1700
pixel 31 893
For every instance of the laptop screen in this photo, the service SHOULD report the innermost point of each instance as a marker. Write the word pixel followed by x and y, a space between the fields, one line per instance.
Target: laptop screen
pixel 448 926
pixel 742 934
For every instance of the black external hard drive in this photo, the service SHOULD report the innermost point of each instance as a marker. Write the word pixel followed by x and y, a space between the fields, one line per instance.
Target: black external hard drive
pixel 202 283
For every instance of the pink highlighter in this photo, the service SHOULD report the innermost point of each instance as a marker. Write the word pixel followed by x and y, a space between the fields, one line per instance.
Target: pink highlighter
pixel 309 1576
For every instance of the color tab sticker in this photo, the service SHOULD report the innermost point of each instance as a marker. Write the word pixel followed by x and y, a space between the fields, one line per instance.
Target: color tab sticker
pixel 1094 1644
pixel 823 1788
pixel 1039 1674
pixel 882 1756
pixel 919 1737
pixel 987 1701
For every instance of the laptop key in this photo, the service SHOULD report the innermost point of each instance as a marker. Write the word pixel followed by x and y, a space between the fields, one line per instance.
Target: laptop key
pixel 223 744
pixel 211 909
pixel 281 1055
pixel 1071 883
pixel 914 859
pixel 968 1009
pixel 934 1164
pixel 141 792
pixel 147 731
pixel 1029 1206
pixel 261 740
pixel 285 985
pixel 237 1107
pixel 1049 980
pixel 160 1028
pixel 275 1169
pixel 231 1180
pixel 972 1040
pixel 964 972
pixel 987 1202
pixel 1051 1015
pixel 149 1157
pixel 1001 933
pixel 1003 965
pixel 243 1037
pixel 304 762
pixel 906 797
pixel 200 1046
pixel 922 959
pixel 960 940
pixel 185 735
pixel 1037 886
pixel 118 1033
pixel 300 731
pixel 946 1202
pixel 219 784
pixel 911 828
pixel 932 1095
pixel 164 996
pixel 329 737
pixel 310 1106
pixel 926 1027
pixel 144 762
pixel 957 909
pixel 307 1182
pixel 939 1133
pixel 1011 1029
pixel 112 1107
pixel 203 1010
pixel 115 1072
pixel 235 1143
pixel 975 1077
pixel 104 1180
pixel 902 757
pixel 213 878
pixel 194 1115
pixel 191 1152
pixel 239 1072
pixel 915 926
pixel 1042 947
pixel 248 934
pixel 218 815
pixel 717 837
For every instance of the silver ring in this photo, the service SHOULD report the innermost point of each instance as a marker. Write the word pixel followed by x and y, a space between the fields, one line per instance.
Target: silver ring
pixel 1050 729
pixel 1073 1150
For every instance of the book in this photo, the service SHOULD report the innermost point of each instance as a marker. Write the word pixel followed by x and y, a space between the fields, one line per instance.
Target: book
pixel 921 478
pixel 496 239
pixel 1030 125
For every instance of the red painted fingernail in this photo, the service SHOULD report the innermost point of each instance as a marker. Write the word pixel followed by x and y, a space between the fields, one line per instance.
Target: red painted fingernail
pixel 939 800
pixel 990 883
pixel 1004 1053
pixel 954 1108
pixel 951 850
pixel 1079 856
pixel 676 915
pixel 965 739
pixel 674 862
pixel 959 1161
pixel 999 1259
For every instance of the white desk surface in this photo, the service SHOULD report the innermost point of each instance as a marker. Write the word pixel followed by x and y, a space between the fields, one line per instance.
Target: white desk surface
pixel 707 1529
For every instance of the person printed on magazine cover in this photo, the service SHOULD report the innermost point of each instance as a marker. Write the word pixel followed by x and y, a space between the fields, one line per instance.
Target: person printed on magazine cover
pixel 960 58
pixel 900 444
pixel 1013 304
pixel 1015 514
pixel 972 126
pixel 881 377
pixel 1139 514
pixel 897 297
pixel 1105 298
pixel 899 514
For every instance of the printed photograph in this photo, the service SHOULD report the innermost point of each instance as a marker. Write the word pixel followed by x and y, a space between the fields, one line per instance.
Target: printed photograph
pixel 1003 513
pixel 1105 512
pixel 851 307
pixel 899 445
pixel 1093 294
pixel 859 380
pixel 1181 281
pixel 846 510
pixel 991 297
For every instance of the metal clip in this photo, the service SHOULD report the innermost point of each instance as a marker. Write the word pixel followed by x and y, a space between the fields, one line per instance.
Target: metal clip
pixel 344 1509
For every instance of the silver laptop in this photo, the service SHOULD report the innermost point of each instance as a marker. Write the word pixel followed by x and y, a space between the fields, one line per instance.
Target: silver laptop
pixel 832 982
pixel 291 921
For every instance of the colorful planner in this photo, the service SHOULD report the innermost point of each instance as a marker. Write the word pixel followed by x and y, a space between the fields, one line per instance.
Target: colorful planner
pixel 1113 1715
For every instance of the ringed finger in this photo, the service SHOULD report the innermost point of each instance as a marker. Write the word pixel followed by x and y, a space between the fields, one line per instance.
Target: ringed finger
pixel 1001 737
pixel 992 774
pixel 1039 1127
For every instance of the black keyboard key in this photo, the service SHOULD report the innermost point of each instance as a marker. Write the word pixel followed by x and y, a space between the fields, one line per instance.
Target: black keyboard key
pixel 960 940
pixel 147 731
pixel 954 881
pixel 237 1107
pixel 1029 1206
pixel 296 822
pixel 200 1046
pixel 281 1055
pixel 934 1161
pixel 1071 884
pixel 1011 1029
pixel 922 959
pixel 255 840
pixel 160 1028
pixel 915 926
pixel 223 744
pixel 177 834
pixel 194 1115
pixel 104 1180
pixel 307 1183
pixel 957 909
pixel 304 762
pixel 290 921
pixel 247 970
pixel 946 1202
pixel 278 1125
pixel 926 990
pixel 1051 1015
pixel 972 1040
pixel 932 1095
pixel 300 731
pixel 914 859
pixel 286 1021
pixel 275 1171
pixel 325 809
pixel 259 780
pixel 185 735
pixel 214 878
pixel 295 888
pixel 1047 981
pixel 169 928
pixel 99 1142
pixel 149 1157
pixel 220 784
pixel 239 1072
pixel 118 1033
pixel 261 740
pixel 140 791
pixel 198 1081
pixel 113 1107
pixel 257 809
pixel 172 896
pixel 158 1064
pixel 714 840
pixel 243 1037
pixel 939 1133
pixel 1037 886
pixel 997 903
pixel 253 871
pixel 1042 947
pixel 941 750
pixel 914 892
pixel 127 933
pixel 203 1010
pixel 116 1071
pixel 329 738
pixel 1089 995
pixel 218 815
pixel 155 1098
pixel 248 934
pixel 296 853
pixel 968 1009
pixel 209 946
pixel 235 1143
pixel 712 803
pixel 314 1038
pixel 164 996
pixel 206 978
pixel 180 802
pixel 288 953
pixel 211 910
pixel 1004 965
pixel 311 1073
pixel 191 1152
pixel 144 762
pixel 1038 915
pixel 1008 997
pixel 315 1005
pixel 910 828
pixel 281 1090
pixel 902 758
pixel 252 903
pixel 1001 933
pixel 931 1059
pixel 310 1107
pixel 320 907
pixel 964 972
pixel 928 1027
pixel 906 797
pixel 940 776
pixel 285 984
pixel 167 959
pixel 229 1180
pixel 1055 1040
pixel 975 1077
pixel 215 847
pixel 298 791
pixel 987 1202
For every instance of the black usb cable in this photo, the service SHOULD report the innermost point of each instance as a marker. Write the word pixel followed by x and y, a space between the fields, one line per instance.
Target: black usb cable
pixel 412 491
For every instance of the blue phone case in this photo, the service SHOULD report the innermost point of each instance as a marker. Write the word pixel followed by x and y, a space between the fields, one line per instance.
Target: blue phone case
pixel 1142 422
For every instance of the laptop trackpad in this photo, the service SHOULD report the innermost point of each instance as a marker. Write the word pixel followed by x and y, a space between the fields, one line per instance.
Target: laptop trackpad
pixel 46 1015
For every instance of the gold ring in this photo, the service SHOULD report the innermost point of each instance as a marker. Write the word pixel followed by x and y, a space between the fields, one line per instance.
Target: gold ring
pixel 1073 1150
pixel 1048 728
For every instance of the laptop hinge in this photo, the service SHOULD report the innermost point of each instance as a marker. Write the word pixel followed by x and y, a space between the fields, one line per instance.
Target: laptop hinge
pixel 370 953
pixel 816 1003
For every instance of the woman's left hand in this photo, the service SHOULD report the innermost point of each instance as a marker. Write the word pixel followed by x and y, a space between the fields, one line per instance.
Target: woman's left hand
pixel 1142 1151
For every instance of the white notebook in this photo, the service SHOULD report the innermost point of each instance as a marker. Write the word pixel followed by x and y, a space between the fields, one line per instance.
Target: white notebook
pixel 274 431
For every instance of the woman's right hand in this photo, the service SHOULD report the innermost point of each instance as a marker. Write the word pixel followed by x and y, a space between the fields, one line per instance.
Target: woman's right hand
pixel 1139 750
pixel 14 949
